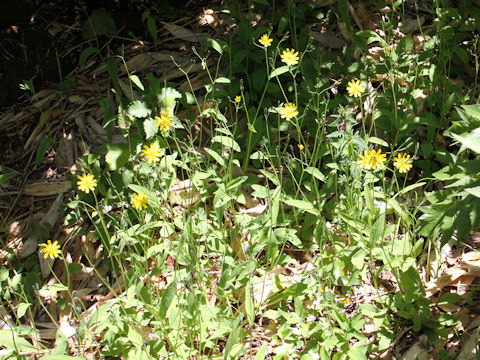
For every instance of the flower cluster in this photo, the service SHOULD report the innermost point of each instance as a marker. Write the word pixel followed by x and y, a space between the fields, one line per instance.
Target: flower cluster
pixel 372 159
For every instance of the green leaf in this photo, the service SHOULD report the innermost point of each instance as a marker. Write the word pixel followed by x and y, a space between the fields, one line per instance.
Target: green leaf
pixel 217 45
pixel 378 141
pixel 226 141
pixel 167 298
pixel 410 187
pixel 447 320
pixel 475 191
pixel 222 80
pixel 234 337
pixel 450 298
pixel 139 109
pixel 470 141
pixel 54 287
pixel 150 127
pixel 302 205
pixel 249 306
pixel 45 143
pixel 86 54
pixel 278 71
pixel 15 342
pixel 262 352
pixel 293 290
pixel 378 231
pixel 117 156
pixel 6 177
pixel 63 357
pixel 316 173
pixel 236 183
pixel 215 156
pixel 137 82
pixel 74 268
pixel 22 309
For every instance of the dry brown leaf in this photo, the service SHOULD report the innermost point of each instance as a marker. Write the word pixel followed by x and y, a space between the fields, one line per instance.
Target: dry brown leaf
pixel 469 348
pixel 183 193
pixel 416 351
pixel 44 188
pixel 41 123
pixel 450 276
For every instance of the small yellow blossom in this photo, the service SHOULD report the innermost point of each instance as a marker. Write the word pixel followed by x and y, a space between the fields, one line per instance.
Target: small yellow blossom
pixel 164 121
pixel 290 57
pixel 288 111
pixel 301 147
pixel 152 153
pixel 87 183
pixel 403 162
pixel 371 159
pixel 139 201
pixel 237 98
pixel 230 296
pixel 265 40
pixel 355 88
pixel 52 250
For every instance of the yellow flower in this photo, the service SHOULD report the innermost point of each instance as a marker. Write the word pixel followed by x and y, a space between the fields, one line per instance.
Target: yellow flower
pixel 139 201
pixel 371 159
pixel 87 183
pixel 52 250
pixel 164 121
pixel 237 98
pixel 288 111
pixel 403 162
pixel 265 40
pixel 355 88
pixel 301 147
pixel 152 153
pixel 290 57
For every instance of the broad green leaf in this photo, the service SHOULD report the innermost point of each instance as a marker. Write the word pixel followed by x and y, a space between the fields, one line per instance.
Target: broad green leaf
pixel 293 290
pixel 150 127
pixel 475 191
pixel 226 141
pixel 316 173
pixel 15 342
pixel 167 298
pixel 216 44
pixel 117 156
pixel 236 183
pixel 215 156
pixel 262 352
pixel 139 109
pixel 222 80
pixel 278 71
pixel 302 205
pixel 472 110
pixel 22 309
pixel 63 357
pixel 378 231
pixel 470 141
pixel 378 141
pixel 99 23
pixel 234 337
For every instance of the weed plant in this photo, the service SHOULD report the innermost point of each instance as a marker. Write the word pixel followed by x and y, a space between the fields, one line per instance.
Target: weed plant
pixel 260 217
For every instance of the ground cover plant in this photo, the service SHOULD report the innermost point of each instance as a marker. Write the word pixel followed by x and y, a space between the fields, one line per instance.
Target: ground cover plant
pixel 314 196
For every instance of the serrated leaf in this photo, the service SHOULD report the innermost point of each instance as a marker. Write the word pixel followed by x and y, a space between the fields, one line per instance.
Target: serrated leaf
pixel 470 141
pixel 139 109
pixel 150 127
